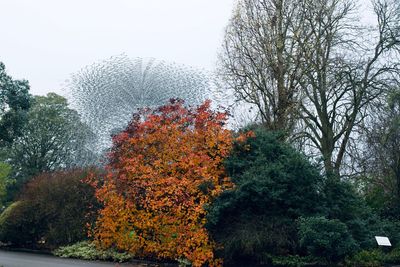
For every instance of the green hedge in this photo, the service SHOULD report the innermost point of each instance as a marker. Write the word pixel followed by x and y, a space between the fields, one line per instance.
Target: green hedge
pixel 53 209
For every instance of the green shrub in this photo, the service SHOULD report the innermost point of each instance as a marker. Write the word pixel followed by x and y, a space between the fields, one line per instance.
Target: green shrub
pixel 329 239
pixel 87 251
pixel 295 261
pixel 343 203
pixel 393 257
pixel 275 185
pixel 53 208
pixel 5 181
pixel 366 258
pixel 16 224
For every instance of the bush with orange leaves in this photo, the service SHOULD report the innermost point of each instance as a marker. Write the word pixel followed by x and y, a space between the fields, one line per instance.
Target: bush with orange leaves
pixel 163 170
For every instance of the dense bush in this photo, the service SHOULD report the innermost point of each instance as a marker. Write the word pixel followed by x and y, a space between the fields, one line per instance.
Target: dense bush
pixel 374 258
pixel 87 251
pixel 53 208
pixel 16 223
pixel 343 203
pixel 163 169
pixel 275 185
pixel 366 258
pixel 393 257
pixel 296 261
pixel 329 239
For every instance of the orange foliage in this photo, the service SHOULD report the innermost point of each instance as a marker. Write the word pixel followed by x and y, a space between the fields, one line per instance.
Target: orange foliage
pixel 164 169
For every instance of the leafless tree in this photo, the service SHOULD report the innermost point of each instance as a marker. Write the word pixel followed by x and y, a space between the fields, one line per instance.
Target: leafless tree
pixel 311 68
pixel 344 73
pixel 259 61
pixel 379 159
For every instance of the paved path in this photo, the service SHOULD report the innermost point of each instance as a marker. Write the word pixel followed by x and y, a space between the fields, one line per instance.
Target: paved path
pixel 24 259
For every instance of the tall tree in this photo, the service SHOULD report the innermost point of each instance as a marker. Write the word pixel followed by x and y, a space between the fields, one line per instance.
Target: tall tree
pixel 312 67
pixel 14 103
pixel 53 138
pixel 259 61
pixel 343 74
pixel 380 160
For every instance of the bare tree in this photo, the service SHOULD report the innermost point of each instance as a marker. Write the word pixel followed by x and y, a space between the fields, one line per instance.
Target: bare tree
pixel 311 68
pixel 343 74
pixel 260 59
pixel 379 160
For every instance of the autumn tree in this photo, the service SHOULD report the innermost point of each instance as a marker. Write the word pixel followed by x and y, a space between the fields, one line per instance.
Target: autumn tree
pixel 164 168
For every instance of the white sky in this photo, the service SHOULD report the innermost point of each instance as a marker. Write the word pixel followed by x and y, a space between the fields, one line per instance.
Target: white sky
pixel 44 41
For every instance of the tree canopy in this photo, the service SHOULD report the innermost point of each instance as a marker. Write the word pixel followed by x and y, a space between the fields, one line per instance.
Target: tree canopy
pixel 53 138
pixel 164 168
pixel 14 103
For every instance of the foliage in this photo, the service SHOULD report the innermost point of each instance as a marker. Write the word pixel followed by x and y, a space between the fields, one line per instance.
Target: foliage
pixel 14 103
pixel 53 208
pixel 366 258
pixel 393 257
pixel 374 258
pixel 5 180
pixel 16 224
pixel 326 238
pixel 183 262
pixel 164 168
pixel 295 261
pixel 86 250
pixel 381 158
pixel 274 186
pixel 53 138
pixel 343 203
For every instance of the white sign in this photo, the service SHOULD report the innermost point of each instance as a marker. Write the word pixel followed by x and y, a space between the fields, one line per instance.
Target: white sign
pixel 383 241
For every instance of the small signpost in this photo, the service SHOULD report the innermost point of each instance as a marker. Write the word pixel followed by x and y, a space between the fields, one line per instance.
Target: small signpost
pixel 383 241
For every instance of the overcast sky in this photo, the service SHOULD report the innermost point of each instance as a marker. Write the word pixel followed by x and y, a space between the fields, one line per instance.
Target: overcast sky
pixel 44 41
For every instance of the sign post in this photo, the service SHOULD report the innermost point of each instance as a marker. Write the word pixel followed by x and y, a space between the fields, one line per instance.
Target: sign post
pixel 383 241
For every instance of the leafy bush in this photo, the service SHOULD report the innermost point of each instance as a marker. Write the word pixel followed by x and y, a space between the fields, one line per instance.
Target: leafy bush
pixel 326 238
pixel 87 251
pixel 5 180
pixel 374 258
pixel 343 203
pixel 366 258
pixel 163 168
pixel 275 185
pixel 15 224
pixel 53 208
pixel 295 261
pixel 393 257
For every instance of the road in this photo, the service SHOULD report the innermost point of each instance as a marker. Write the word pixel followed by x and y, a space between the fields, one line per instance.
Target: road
pixel 23 259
